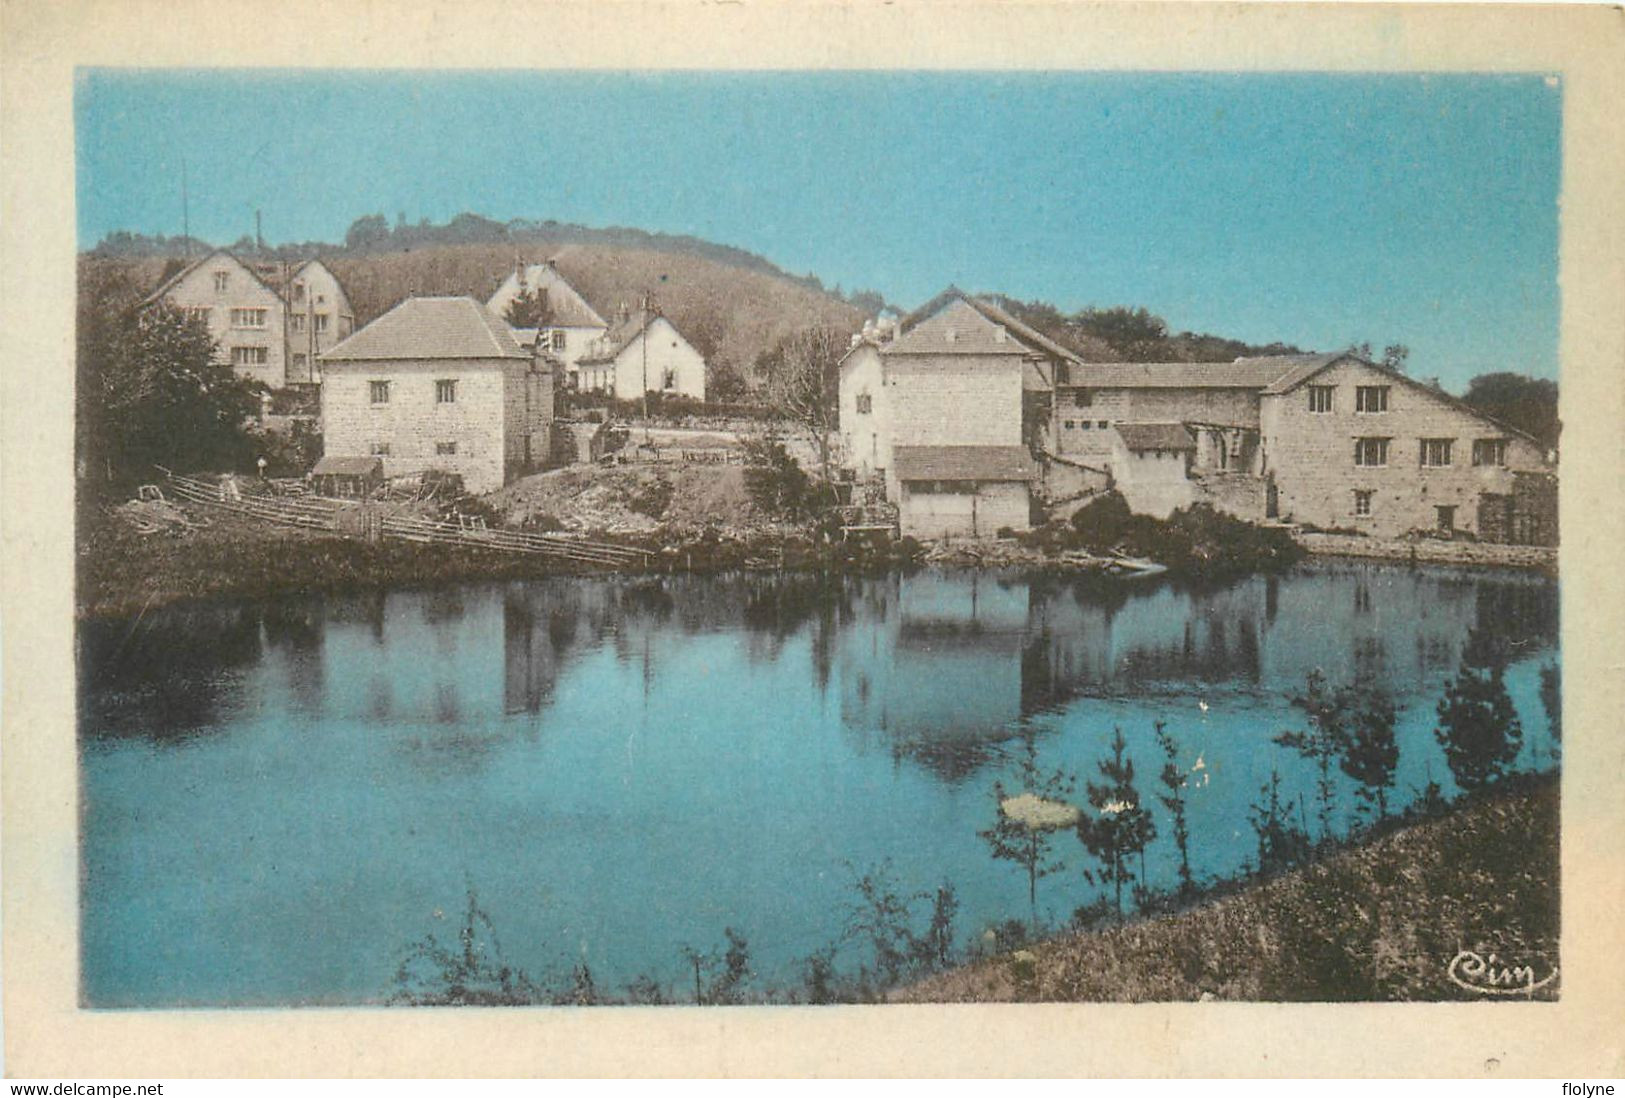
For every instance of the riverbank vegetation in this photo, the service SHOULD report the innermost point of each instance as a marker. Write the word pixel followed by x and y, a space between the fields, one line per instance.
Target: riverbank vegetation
pixel 1355 903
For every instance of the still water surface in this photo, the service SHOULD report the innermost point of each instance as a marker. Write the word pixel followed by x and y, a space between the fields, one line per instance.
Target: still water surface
pixel 279 797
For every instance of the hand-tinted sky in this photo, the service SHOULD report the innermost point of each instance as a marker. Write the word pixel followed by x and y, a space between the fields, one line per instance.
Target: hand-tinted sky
pixel 1317 210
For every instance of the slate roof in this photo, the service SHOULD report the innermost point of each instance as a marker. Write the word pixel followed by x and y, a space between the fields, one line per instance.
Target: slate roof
pixel 1156 436
pixel 1001 463
pixel 1298 369
pixel 607 348
pixel 564 301
pixel 1256 373
pixel 349 467
pixel 430 328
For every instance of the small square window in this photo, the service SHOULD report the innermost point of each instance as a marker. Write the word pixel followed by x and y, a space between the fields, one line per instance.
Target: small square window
pixel 379 391
pixel 1362 501
pixel 380 449
pixel 865 403
pixel 445 392
pixel 1103 423
pixel 445 448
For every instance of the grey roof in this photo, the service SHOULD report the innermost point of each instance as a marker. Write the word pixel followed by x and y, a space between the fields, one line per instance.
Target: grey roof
pixel 430 328
pixel 1156 436
pixel 1296 369
pixel 1255 373
pixel 608 347
pixel 1001 463
pixel 349 467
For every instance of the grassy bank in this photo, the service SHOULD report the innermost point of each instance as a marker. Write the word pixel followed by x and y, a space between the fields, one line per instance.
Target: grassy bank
pixel 1380 920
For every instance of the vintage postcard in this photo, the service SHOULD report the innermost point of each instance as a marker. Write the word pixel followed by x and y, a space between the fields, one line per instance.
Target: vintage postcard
pixel 717 535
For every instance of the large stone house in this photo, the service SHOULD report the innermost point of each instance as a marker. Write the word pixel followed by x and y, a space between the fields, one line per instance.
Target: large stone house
pixel 938 408
pixel 1327 440
pixel 946 408
pixel 569 327
pixel 642 352
pixel 438 383
pixel 269 320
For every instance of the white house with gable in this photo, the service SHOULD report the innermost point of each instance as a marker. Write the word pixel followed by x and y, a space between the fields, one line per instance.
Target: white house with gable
pixel 642 352
pixel 570 325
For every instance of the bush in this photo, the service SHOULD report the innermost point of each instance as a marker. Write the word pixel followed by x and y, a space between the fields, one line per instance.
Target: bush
pixel 776 483
pixel 652 498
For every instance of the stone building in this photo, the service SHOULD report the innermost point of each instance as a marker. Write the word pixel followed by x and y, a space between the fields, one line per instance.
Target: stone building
pixel 946 408
pixel 319 318
pixel 438 383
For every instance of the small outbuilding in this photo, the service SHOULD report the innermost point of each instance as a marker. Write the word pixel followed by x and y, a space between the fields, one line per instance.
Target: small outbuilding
pixel 962 491
pixel 347 477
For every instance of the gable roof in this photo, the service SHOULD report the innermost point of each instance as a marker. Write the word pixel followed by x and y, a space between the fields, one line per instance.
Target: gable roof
pixel 1307 370
pixel 1297 369
pixel 1156 436
pixel 1242 374
pixel 432 328
pixel 608 347
pixel 955 322
pixel 1002 463
pixel 179 276
pixel 569 308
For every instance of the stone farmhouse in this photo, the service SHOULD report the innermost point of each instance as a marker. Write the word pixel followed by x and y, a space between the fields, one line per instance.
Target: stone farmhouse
pixel 572 325
pixel 270 320
pixel 943 408
pixel 1325 440
pixel 439 383
pixel 642 352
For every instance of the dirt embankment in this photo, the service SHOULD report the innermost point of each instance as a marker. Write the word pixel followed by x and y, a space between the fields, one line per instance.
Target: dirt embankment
pixel 633 499
pixel 1410 915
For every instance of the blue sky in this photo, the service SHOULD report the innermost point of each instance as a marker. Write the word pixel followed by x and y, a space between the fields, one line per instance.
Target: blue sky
pixel 1318 210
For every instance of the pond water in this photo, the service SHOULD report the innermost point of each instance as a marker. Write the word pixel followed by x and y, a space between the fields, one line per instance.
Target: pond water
pixel 278 798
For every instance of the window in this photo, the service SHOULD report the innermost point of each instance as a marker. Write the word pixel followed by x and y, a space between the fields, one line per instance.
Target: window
pixel 1083 398
pixel 379 391
pixel 298 362
pixel 1447 518
pixel 1489 451
pixel 249 318
pixel 1371 451
pixel 202 313
pixel 250 356
pixel 297 322
pixel 668 379
pixel 298 292
pixel 1085 424
pixel 445 448
pixel 346 326
pixel 321 322
pixel 445 392
pixel 380 449
pixel 1362 501
pixel 558 341
pixel 866 404
pixel 222 279
pixel 1436 451
pixel 1071 425
pixel 1371 398
pixel 1103 424
pixel 1320 397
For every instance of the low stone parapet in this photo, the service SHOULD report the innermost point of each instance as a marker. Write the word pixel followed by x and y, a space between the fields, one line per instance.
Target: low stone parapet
pixel 1431 550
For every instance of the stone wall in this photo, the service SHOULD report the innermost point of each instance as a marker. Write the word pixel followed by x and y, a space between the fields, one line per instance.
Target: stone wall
pixel 412 424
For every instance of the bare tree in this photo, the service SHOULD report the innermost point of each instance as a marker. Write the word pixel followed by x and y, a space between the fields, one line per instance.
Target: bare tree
pixel 801 379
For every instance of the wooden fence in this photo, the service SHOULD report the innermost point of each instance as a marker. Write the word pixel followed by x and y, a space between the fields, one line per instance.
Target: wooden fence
pixel 334 516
